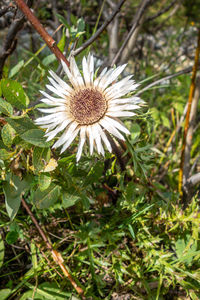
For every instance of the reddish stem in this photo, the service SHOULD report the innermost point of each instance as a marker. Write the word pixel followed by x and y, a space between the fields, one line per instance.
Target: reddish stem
pixel 40 29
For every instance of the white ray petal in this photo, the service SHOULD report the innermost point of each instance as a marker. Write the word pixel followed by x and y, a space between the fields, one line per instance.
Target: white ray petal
pixel 70 75
pixel 97 137
pixel 53 133
pixel 55 91
pixel 90 62
pixel 64 85
pixel 81 143
pixel 52 110
pixel 121 92
pixel 121 114
pixel 49 127
pixel 132 100
pixel 117 124
pixel 76 73
pixel 66 135
pixel 101 80
pixel 91 138
pixel 117 89
pixel 70 140
pixel 53 99
pixel 58 86
pixel 96 82
pixel 51 118
pixel 125 81
pixel 98 142
pixel 111 129
pixel 105 140
pixel 107 80
pixel 122 107
pixel 86 72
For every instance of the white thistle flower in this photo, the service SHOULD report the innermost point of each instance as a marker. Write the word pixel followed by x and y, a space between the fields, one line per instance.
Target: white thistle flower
pixel 88 106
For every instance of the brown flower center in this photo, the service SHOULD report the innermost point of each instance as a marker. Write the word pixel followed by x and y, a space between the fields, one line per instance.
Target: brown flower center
pixel 87 106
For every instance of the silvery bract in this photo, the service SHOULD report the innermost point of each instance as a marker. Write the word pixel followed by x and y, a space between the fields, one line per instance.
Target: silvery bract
pixel 88 106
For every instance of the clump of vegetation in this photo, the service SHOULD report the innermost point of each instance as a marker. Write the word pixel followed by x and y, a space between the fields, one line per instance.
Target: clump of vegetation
pixel 123 226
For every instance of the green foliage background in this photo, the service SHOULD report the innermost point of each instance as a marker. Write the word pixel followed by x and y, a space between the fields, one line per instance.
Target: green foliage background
pixel 121 233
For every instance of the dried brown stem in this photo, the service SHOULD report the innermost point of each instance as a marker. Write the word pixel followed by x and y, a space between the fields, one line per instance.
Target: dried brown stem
pixel 55 254
pixel 191 94
pixel 40 29
pixel 186 168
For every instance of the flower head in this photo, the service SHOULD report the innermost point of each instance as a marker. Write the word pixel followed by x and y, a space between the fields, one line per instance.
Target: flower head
pixel 87 106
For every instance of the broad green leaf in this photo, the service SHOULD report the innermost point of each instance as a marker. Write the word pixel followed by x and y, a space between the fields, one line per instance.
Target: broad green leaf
pixel 69 200
pixel 5 107
pixel 13 189
pixel 4 154
pixel 12 237
pixel 36 137
pixel 5 293
pixel 40 158
pixel 7 134
pixel 16 68
pixel 46 198
pixel 2 250
pixel 44 181
pixel 21 124
pixel 14 93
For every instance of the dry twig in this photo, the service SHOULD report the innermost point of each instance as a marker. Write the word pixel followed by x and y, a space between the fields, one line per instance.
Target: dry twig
pixel 55 254
pixel 191 94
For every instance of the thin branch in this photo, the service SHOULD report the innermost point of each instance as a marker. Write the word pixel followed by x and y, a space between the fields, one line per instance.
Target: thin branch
pixel 137 21
pixel 184 71
pixel 161 12
pixel 100 30
pixel 55 254
pixel 40 29
pixel 191 94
